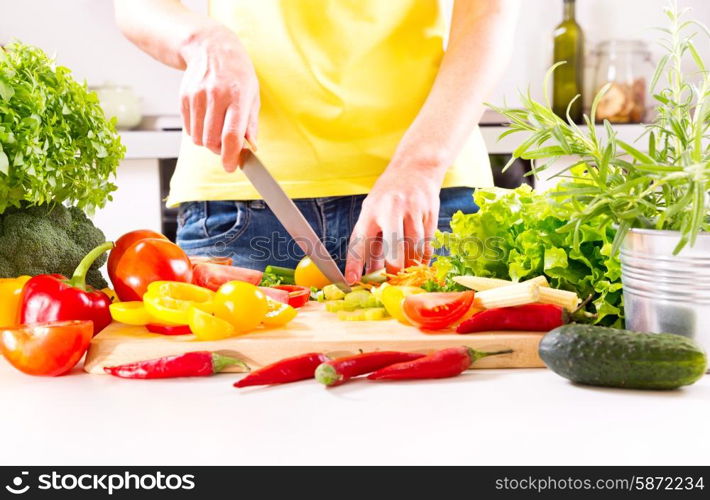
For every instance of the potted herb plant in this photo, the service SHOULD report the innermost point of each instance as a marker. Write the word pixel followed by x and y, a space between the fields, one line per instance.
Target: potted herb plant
pixel 58 153
pixel 658 196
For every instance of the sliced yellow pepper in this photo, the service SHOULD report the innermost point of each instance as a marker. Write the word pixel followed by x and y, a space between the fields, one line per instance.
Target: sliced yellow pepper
pixel 10 300
pixel 206 324
pixel 278 313
pixel 169 301
pixel 131 313
pixel 111 294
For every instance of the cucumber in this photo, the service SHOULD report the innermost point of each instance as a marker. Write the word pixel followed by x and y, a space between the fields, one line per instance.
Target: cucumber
pixel 332 292
pixel 596 355
pixel 367 314
pixel 334 305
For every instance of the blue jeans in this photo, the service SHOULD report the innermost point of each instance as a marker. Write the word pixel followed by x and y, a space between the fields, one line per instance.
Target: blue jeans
pixel 249 233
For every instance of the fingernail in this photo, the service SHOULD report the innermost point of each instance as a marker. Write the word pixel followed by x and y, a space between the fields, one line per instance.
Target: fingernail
pixel 352 278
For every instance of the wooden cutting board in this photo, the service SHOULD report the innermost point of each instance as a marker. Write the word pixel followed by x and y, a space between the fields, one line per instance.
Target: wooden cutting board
pixel 313 330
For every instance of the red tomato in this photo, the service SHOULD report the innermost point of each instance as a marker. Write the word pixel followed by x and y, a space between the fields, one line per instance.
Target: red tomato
pixel 273 293
pixel 201 259
pixel 168 329
pixel 298 296
pixel 213 276
pixel 436 310
pixel 146 261
pixel 122 245
pixel 46 348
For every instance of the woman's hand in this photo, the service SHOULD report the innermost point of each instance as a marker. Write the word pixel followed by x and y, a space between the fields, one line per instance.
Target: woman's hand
pixel 398 217
pixel 219 94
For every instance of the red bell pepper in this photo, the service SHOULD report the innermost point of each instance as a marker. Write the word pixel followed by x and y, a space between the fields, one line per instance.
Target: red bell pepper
pixel 53 297
pixel 168 329
pixel 298 296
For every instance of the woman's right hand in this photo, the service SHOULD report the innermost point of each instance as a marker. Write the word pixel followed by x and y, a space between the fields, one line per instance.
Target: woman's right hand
pixel 219 94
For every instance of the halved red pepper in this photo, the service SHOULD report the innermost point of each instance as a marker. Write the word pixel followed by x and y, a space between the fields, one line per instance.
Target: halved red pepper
pixel 53 297
pixel 298 296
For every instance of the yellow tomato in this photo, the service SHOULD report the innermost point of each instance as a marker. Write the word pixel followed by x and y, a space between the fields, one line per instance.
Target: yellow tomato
pixel 393 297
pixel 130 313
pixel 206 323
pixel 244 304
pixel 279 313
pixel 307 274
pixel 169 301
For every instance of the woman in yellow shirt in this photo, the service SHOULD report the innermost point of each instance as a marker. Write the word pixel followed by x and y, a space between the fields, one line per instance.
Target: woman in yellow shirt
pixel 363 118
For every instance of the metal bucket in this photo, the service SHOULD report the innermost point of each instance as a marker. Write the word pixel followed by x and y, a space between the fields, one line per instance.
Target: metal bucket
pixel 666 293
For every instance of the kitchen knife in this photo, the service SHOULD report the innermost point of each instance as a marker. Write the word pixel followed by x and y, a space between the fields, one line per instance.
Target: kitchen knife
pixel 291 218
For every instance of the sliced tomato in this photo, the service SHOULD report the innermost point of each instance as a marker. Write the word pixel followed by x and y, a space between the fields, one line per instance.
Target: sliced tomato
pixel 202 259
pixel 168 329
pixel 49 349
pixel 298 296
pixel 213 276
pixel 273 293
pixel 436 310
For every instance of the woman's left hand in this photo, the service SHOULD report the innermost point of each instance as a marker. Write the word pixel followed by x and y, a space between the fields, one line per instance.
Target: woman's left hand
pixel 398 218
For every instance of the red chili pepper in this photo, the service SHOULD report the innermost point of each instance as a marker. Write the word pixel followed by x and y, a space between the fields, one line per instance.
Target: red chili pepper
pixel 168 329
pixel 190 364
pixel 339 371
pixel 298 296
pixel 287 370
pixel 530 317
pixel 440 364
pixel 53 297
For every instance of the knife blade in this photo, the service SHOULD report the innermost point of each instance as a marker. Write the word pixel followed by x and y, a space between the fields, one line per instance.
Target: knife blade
pixel 291 218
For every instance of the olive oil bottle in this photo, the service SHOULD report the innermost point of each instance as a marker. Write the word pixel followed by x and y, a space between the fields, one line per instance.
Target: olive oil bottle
pixel 568 78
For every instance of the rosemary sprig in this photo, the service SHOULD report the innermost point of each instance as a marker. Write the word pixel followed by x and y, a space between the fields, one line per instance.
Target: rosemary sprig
pixel 667 187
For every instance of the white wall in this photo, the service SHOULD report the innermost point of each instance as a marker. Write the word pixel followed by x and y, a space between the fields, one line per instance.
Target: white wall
pixel 84 37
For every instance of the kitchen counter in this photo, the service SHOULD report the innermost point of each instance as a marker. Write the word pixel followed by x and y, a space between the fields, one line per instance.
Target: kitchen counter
pixel 156 144
pixel 529 416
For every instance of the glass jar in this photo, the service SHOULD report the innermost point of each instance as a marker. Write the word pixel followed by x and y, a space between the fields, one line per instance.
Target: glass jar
pixel 121 102
pixel 626 65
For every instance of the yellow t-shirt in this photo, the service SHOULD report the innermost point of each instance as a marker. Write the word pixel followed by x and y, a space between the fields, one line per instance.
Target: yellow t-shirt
pixel 340 82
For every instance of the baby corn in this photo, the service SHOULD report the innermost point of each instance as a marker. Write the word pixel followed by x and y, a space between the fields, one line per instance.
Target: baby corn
pixel 563 298
pixel 518 294
pixel 481 284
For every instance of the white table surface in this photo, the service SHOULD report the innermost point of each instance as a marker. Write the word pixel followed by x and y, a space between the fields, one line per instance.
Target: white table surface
pixel 517 417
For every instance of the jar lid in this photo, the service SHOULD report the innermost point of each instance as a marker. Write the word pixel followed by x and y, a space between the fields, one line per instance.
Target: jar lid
pixel 622 45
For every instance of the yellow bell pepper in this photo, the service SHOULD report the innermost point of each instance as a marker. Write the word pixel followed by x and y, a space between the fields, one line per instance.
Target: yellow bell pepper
pixel 278 314
pixel 206 324
pixel 130 313
pixel 10 300
pixel 169 301
pixel 111 294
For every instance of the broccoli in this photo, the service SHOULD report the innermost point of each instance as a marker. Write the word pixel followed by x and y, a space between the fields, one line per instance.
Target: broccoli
pixel 48 239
